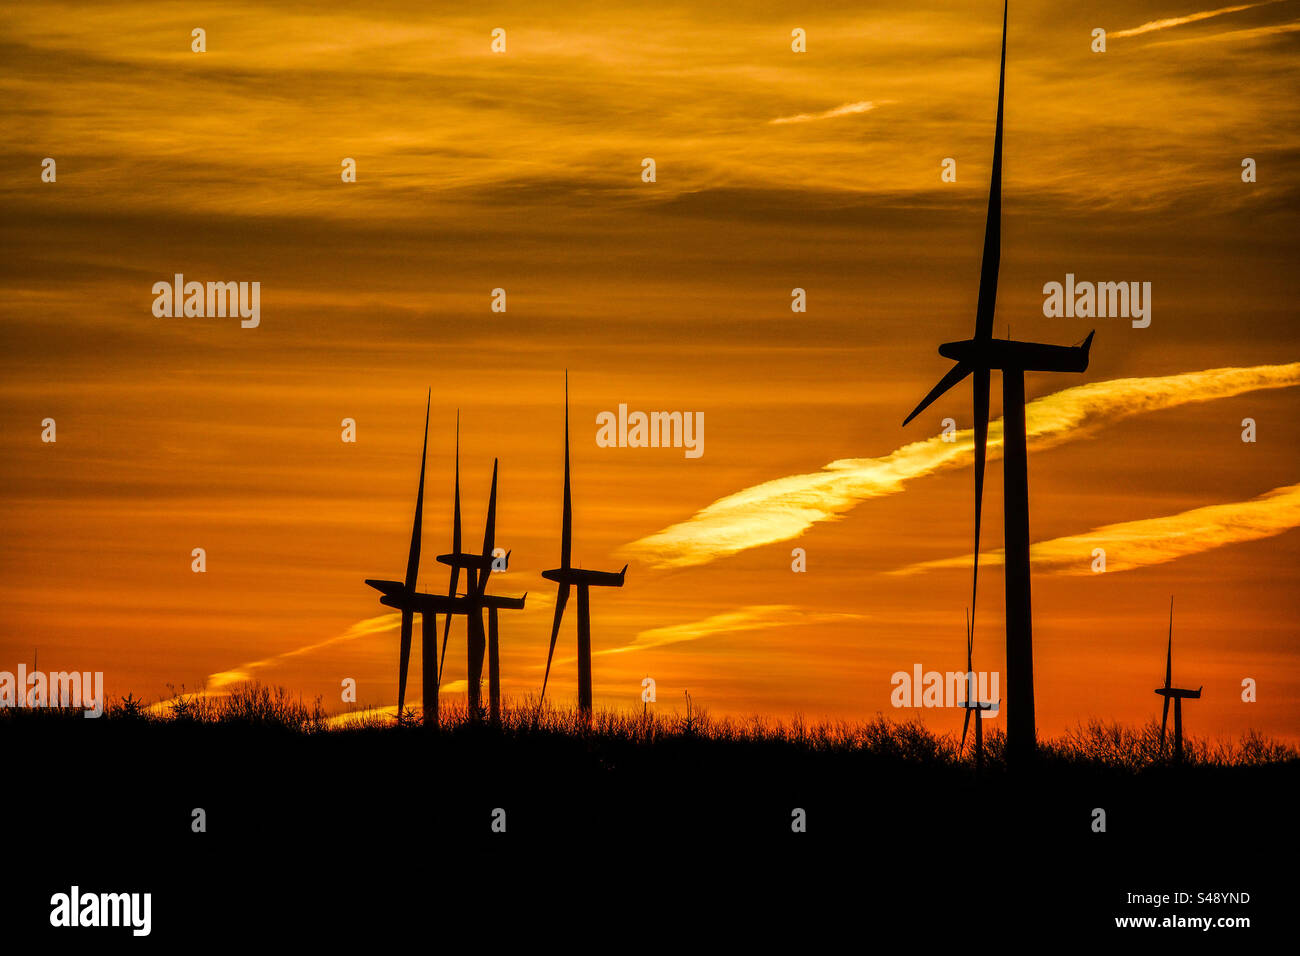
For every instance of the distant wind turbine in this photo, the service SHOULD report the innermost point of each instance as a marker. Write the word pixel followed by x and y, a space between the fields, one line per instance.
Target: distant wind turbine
pixel 971 704
pixel 567 576
pixel 1169 691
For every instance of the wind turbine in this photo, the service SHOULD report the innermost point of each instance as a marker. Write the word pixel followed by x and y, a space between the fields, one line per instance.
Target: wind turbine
pixel 567 576
pixel 478 568
pixel 1176 693
pixel 972 705
pixel 977 357
pixel 401 594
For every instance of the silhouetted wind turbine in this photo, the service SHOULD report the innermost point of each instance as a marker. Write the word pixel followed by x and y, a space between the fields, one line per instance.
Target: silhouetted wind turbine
pixel 478 568
pixel 978 356
pixel 400 594
pixel 971 704
pixel 1176 693
pixel 567 576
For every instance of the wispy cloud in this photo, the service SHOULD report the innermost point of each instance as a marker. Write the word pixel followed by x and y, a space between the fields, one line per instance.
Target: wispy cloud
pixel 1137 544
pixel 754 617
pixel 1247 33
pixel 848 109
pixel 784 508
pixel 1167 23
pixel 372 625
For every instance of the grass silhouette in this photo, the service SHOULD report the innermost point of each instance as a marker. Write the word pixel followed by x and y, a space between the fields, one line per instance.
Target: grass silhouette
pixel 637 794
pixel 1095 744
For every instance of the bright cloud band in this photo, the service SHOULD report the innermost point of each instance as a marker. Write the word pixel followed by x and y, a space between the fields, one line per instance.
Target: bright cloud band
pixel 784 508
pixel 1136 544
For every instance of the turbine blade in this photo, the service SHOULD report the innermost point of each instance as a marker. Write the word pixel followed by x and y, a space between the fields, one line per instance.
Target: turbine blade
pixel 455 518
pixel 566 527
pixel 955 375
pixel 1169 651
pixel 1164 724
pixel 561 598
pixel 965 724
pixel 455 549
pixel 413 560
pixel 489 533
pixel 442 658
pixel 490 530
pixel 970 646
pixel 404 660
pixel 981 388
pixel 993 225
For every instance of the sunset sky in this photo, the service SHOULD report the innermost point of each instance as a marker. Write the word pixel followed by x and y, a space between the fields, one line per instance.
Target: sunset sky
pixel 775 170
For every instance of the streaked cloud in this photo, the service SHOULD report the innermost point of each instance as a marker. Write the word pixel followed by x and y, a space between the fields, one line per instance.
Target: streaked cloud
pixel 1137 544
pixel 1247 33
pixel 217 683
pixel 782 509
pixel 1168 22
pixel 848 109
pixel 755 617
pixel 236 675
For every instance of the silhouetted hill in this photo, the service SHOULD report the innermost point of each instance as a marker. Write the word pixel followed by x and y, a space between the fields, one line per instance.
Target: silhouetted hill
pixel 377 811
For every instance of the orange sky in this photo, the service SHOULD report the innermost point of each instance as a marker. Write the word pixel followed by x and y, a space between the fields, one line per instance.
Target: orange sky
pixel 522 171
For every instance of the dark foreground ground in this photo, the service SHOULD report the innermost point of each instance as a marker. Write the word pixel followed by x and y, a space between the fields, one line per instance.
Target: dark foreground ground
pixel 674 839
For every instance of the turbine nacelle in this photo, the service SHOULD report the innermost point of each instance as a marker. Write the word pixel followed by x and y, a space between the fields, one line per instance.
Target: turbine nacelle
pixel 478 562
pixel 1017 356
pixel 399 602
pixel 584 578
pixel 1172 692
pixel 459 604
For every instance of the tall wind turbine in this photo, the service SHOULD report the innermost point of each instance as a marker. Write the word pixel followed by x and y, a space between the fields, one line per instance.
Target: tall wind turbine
pixel 567 576
pixel 972 705
pixel 400 594
pixel 977 357
pixel 1169 691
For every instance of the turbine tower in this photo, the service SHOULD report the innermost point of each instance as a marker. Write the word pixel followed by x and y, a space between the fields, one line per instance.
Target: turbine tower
pixel 400 594
pixel 978 357
pixel 567 576
pixel 1175 693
